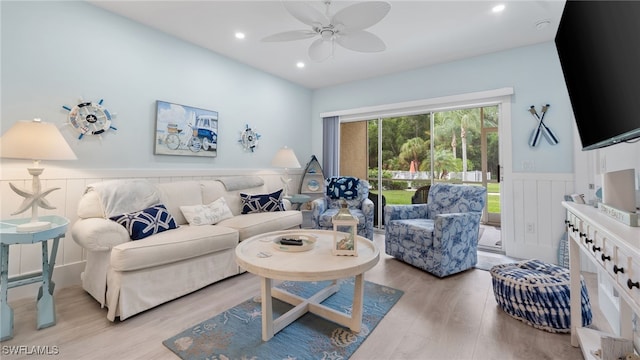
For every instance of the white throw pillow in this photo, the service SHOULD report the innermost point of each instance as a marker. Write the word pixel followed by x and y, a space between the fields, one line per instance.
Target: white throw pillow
pixel 207 214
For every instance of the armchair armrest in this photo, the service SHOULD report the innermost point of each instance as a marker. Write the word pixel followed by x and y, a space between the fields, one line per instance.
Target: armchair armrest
pixel 455 229
pixel 368 208
pixel 404 212
pixel 98 234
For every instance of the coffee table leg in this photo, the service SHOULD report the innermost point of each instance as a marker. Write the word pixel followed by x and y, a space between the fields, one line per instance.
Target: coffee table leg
pixel 356 310
pixel 267 310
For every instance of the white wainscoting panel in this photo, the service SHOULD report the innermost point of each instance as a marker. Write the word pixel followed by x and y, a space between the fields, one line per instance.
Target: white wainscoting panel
pixel 26 259
pixel 538 214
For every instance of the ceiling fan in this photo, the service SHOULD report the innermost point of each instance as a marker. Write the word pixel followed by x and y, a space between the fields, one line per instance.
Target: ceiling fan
pixel 346 27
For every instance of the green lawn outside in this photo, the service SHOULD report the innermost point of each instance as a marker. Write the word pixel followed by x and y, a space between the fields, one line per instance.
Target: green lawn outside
pixel 397 197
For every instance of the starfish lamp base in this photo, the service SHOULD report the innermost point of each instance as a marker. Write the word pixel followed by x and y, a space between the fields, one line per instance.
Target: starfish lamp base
pixel 33 200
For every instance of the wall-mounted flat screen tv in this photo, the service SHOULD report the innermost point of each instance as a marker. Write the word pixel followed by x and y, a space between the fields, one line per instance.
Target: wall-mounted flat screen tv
pixel 598 43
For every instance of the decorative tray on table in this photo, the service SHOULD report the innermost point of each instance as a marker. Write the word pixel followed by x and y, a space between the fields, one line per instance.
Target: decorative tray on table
pixel 294 242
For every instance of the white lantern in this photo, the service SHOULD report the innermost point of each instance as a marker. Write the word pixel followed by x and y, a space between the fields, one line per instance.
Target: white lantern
pixel 345 243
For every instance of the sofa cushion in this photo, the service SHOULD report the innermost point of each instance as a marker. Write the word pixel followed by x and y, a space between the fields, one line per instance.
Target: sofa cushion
pixel 183 243
pixel 147 222
pixel 257 223
pixel 214 189
pixel 207 214
pixel 180 193
pixel 262 202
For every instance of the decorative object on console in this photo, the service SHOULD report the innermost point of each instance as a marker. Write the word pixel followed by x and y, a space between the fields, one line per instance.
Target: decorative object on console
pixel 618 189
pixel 619 196
pixel 34 140
pixel 285 158
pixel 542 128
pixel 89 118
pixel 185 130
pixel 614 348
pixel 249 138
pixel 345 229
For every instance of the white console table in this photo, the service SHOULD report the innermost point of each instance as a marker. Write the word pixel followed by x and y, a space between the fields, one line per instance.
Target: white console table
pixel 612 246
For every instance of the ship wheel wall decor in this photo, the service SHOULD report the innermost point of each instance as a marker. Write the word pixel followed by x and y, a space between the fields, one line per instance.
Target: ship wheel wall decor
pixel 249 138
pixel 89 118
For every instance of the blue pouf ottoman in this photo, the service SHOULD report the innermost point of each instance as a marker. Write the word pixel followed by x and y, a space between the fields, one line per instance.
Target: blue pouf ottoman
pixel 538 294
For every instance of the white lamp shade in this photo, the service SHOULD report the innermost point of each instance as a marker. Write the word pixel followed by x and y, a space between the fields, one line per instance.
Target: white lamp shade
pixel 285 158
pixel 35 140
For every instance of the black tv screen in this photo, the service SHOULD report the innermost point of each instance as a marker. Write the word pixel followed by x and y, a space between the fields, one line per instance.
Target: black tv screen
pixel 598 43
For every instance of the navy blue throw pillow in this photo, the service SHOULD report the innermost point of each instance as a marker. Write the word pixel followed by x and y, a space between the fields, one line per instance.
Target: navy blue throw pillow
pixel 345 187
pixel 143 223
pixel 262 203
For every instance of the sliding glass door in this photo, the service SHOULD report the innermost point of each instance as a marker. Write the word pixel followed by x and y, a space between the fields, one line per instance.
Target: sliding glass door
pixel 407 153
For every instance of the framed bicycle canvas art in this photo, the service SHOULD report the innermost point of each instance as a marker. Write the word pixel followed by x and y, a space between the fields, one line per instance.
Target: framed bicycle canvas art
pixel 185 130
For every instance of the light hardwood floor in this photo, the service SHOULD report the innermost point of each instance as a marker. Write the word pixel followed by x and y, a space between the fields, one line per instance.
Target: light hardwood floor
pixel 451 318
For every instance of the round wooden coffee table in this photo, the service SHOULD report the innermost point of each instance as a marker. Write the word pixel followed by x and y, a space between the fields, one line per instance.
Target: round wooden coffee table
pixel 258 256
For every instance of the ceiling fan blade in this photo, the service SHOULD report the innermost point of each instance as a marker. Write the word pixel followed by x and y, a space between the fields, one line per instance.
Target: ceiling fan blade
pixel 305 13
pixel 363 15
pixel 320 50
pixel 290 35
pixel 362 41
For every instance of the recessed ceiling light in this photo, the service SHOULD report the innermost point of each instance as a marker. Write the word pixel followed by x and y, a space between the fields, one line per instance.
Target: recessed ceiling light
pixel 239 35
pixel 498 8
pixel 300 64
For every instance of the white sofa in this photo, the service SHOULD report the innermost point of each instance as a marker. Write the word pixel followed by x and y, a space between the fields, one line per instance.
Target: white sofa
pixel 132 276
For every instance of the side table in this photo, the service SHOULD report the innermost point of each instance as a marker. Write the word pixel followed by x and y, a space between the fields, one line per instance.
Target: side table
pixel 45 304
pixel 298 199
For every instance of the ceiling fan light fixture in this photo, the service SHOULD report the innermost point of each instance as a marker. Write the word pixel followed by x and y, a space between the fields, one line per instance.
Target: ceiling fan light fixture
pixel 346 27
pixel 327 34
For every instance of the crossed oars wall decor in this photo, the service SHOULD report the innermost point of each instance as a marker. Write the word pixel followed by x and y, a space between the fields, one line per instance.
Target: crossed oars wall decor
pixel 542 129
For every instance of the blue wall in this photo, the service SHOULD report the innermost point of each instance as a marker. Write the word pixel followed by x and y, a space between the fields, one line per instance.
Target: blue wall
pixel 53 53
pixel 533 72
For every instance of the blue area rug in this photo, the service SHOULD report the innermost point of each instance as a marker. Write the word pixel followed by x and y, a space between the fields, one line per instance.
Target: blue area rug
pixel 237 332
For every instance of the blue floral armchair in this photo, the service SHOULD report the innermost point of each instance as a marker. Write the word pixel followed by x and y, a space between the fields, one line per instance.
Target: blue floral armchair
pixel 339 189
pixel 440 237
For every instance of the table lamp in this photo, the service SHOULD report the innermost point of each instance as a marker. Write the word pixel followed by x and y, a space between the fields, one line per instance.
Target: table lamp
pixel 286 158
pixel 34 140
